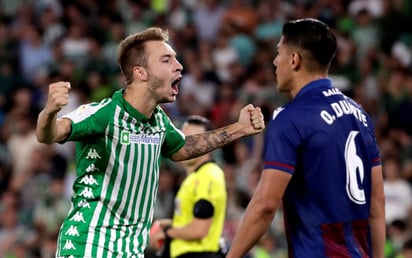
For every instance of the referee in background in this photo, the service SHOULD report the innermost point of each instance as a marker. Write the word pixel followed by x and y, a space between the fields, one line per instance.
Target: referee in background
pixel 200 206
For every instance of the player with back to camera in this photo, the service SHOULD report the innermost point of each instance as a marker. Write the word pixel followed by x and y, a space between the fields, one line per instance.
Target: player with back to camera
pixel 200 205
pixel 119 142
pixel 321 159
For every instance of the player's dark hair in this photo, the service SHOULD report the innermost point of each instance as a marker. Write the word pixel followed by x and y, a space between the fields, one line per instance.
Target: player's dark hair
pixel 312 36
pixel 199 120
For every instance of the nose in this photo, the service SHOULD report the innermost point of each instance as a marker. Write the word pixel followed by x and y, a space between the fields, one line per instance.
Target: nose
pixel 179 66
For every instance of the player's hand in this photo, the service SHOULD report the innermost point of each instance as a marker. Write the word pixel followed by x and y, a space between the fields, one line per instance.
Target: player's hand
pixel 251 119
pixel 157 236
pixel 58 96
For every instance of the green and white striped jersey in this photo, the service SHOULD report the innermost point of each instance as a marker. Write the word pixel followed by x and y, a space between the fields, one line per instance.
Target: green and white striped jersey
pixel 118 154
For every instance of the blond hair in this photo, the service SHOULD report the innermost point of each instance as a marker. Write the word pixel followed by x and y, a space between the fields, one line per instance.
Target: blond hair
pixel 131 51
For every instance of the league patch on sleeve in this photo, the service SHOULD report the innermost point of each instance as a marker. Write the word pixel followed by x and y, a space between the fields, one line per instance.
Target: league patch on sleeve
pixel 85 111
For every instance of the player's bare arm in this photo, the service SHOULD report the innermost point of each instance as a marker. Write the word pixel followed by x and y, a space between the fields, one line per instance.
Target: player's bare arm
pixel 199 144
pixel 196 230
pixel 377 213
pixel 260 211
pixel 250 122
pixel 50 129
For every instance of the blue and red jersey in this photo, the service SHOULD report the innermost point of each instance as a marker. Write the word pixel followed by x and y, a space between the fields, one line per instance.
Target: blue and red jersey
pixel 327 142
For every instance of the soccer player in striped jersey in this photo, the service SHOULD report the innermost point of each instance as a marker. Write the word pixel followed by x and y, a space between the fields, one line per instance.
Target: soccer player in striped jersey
pixel 200 205
pixel 321 159
pixel 119 142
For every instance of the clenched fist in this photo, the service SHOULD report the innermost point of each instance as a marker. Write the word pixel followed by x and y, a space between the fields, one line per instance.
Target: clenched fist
pixel 58 96
pixel 252 119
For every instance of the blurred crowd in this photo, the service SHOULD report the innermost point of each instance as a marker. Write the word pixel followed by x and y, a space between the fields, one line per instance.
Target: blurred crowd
pixel 227 49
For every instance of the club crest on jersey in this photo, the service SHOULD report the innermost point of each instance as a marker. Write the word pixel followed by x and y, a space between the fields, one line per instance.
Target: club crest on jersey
pixel 126 138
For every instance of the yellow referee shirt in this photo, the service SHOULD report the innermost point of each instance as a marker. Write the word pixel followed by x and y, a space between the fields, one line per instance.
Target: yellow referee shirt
pixel 208 183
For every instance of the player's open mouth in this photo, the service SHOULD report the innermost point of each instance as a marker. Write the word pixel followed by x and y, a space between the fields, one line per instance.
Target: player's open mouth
pixel 175 84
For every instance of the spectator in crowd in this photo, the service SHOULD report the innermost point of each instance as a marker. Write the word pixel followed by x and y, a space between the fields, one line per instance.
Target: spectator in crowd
pixel 398 204
pixel 407 249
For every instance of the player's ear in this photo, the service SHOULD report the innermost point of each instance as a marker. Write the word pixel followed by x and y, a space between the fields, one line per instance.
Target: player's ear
pixel 140 72
pixel 296 60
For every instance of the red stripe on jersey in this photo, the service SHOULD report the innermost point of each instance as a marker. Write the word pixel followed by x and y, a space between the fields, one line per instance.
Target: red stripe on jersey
pixel 335 243
pixel 360 234
pixel 278 164
pixel 376 160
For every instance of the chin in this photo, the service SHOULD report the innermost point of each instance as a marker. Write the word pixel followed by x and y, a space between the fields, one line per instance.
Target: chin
pixel 282 87
pixel 168 100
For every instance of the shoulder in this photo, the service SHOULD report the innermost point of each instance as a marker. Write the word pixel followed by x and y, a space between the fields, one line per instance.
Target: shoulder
pixel 91 109
pixel 210 170
pixel 286 115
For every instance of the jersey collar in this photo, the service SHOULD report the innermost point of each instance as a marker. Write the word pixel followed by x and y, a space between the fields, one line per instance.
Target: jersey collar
pixel 316 84
pixel 202 164
pixel 118 96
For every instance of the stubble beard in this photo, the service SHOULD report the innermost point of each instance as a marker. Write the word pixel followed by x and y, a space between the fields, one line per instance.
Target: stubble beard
pixel 155 84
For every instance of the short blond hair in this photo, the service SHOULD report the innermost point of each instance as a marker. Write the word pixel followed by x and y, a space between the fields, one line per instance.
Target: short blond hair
pixel 131 51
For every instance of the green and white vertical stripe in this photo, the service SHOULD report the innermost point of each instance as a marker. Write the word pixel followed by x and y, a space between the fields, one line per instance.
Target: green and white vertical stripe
pixel 117 182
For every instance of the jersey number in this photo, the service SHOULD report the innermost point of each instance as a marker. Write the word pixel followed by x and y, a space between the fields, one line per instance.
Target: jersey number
pixel 354 171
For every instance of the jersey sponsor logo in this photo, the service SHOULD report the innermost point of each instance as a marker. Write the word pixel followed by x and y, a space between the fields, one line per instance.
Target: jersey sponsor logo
pixel 340 109
pixel 72 231
pixel 78 217
pixel 69 245
pixel 92 154
pixel 127 138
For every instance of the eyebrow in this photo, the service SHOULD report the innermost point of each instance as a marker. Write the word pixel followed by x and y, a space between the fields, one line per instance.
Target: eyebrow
pixel 168 56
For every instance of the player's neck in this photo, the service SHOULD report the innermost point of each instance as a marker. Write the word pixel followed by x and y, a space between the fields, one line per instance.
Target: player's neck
pixel 139 100
pixel 304 79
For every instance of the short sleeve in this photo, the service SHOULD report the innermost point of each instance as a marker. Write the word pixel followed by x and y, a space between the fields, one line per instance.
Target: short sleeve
pixel 87 120
pixel 281 144
pixel 373 148
pixel 174 140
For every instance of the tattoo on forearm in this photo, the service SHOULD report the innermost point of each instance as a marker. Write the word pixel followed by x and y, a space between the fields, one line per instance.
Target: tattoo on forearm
pixel 199 144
